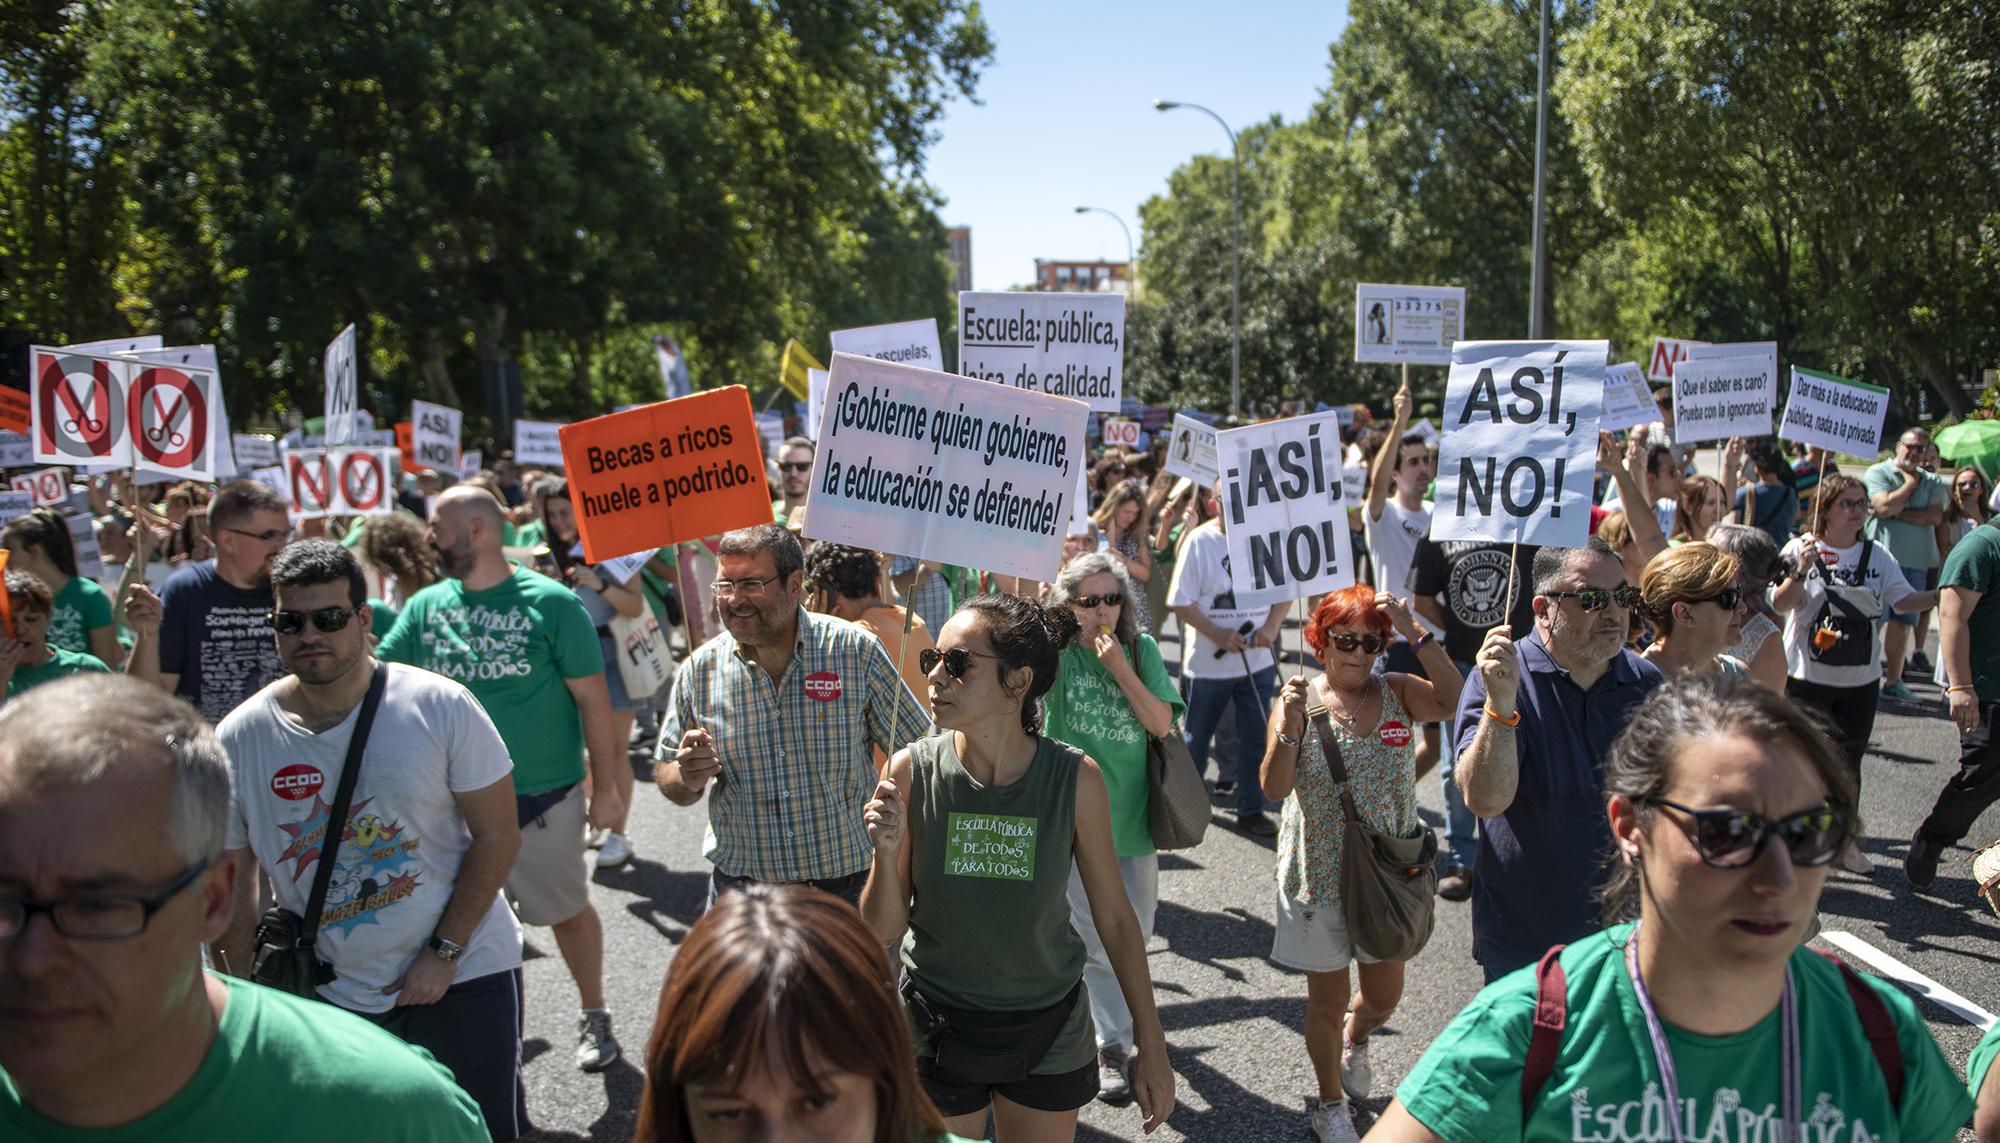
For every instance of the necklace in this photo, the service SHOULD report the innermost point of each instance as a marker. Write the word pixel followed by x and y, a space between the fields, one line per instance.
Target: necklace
pixel 1348 716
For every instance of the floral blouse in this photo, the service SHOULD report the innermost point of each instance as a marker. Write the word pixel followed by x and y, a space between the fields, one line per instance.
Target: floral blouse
pixel 1382 765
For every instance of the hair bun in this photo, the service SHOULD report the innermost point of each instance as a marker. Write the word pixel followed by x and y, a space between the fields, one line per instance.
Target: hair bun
pixel 1063 625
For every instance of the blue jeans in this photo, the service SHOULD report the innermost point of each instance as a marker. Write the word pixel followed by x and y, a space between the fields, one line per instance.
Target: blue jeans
pixel 1254 694
pixel 1461 827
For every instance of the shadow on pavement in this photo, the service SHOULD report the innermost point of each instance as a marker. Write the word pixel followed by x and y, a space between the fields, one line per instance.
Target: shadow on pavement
pixel 1211 938
pixel 623 1084
pixel 669 900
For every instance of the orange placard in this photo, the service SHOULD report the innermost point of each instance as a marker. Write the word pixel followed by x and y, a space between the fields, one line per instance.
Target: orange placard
pixel 406 443
pixel 673 471
pixel 13 410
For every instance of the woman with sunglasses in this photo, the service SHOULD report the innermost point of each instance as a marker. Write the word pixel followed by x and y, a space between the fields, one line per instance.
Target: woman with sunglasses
pixel 975 833
pixel 1373 718
pixel 1689 596
pixel 1968 508
pixel 1112 693
pixel 1832 604
pixel 1698 1014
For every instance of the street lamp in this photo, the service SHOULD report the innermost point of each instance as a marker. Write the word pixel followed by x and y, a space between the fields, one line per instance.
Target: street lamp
pixel 1131 252
pixel 1538 260
pixel 1235 253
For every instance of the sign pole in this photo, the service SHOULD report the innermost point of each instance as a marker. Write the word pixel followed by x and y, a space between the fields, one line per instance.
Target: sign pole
pixel 1507 601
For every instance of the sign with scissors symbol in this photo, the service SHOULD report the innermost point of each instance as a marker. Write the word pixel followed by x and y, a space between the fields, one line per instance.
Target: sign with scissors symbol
pixel 170 409
pixel 78 402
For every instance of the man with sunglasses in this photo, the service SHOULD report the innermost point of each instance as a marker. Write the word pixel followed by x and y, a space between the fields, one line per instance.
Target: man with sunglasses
pixel 1535 724
pixel 414 926
pixel 795 462
pixel 113 803
pixel 206 636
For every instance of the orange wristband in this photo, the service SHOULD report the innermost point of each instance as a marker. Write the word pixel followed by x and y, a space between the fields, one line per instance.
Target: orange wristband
pixel 1514 720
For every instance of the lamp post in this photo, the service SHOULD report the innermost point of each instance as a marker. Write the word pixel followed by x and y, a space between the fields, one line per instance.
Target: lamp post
pixel 1131 252
pixel 1538 265
pixel 1235 253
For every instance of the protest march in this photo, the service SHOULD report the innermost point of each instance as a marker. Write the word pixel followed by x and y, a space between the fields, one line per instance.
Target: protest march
pixel 569 608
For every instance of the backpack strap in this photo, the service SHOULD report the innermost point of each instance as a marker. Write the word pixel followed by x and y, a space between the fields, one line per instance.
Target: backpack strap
pixel 1551 1014
pixel 1879 1026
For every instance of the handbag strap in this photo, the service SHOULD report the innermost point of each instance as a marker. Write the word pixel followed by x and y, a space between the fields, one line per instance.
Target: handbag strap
pixel 336 818
pixel 1330 746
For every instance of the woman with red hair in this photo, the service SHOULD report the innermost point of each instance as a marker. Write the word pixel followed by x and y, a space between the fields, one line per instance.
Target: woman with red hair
pixel 1372 718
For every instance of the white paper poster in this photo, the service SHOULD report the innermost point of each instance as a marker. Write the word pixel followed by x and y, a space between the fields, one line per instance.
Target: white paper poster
pixel 470 462
pixel 1834 413
pixel 434 435
pixel 341 481
pixel 116 412
pixel 1407 324
pixel 343 387
pixel 1121 433
pixel 15 451
pixel 903 342
pixel 1667 353
pixel 815 400
pixel 1063 344
pixel 1628 399
pixel 253 451
pixel 537 443
pixel 1718 397
pixel 1519 454
pixel 44 487
pixel 938 467
pixel 1191 451
pixel 14 504
pixel 1286 500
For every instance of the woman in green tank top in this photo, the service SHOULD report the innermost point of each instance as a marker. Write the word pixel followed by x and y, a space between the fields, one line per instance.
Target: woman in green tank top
pixel 975 833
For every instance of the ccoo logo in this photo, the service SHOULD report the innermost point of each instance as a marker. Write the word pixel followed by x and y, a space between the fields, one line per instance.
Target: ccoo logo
pixel 1395 734
pixel 823 686
pixel 297 782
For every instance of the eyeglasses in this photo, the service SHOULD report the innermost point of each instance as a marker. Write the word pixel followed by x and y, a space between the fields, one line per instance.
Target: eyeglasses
pixel 95 916
pixel 1728 597
pixel 1851 502
pixel 1370 643
pixel 750 586
pixel 265 537
pixel 1089 601
pixel 795 465
pixel 326 619
pixel 1731 839
pixel 956 661
pixel 1598 598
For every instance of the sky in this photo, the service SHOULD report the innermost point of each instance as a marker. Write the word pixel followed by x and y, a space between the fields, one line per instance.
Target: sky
pixel 1065 115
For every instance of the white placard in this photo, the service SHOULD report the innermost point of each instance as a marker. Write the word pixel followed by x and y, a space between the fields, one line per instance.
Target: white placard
pixel 106 412
pixel 1426 430
pixel 15 451
pixel 254 451
pixel 903 342
pixel 1063 344
pixel 1834 413
pixel 537 443
pixel 83 538
pixel 815 400
pixel 45 487
pixel 1519 453
pixel 341 481
pixel 272 477
pixel 1407 324
pixel 1121 434
pixel 434 433
pixel 1191 452
pixel 1079 505
pixel 14 504
pixel 937 467
pixel 1354 484
pixel 1724 397
pixel 113 346
pixel 620 569
pixel 1283 491
pixel 343 386
pixel 1667 353
pixel 470 462
pixel 1628 399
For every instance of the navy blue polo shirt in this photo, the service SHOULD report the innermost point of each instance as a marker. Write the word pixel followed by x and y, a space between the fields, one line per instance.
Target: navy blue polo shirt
pixel 1540 863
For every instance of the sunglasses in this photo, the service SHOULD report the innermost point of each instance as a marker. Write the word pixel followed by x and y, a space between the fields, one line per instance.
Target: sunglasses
pixel 1089 601
pixel 956 661
pixel 1732 839
pixel 327 619
pixel 795 465
pixel 1371 643
pixel 1728 597
pixel 1598 598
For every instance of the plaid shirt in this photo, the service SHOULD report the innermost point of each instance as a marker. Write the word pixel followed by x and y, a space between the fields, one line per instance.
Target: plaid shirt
pixel 797 758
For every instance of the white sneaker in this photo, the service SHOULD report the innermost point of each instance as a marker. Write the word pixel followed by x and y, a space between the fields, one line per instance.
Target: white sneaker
pixel 1357 1078
pixel 595 838
pixel 1114 1085
pixel 595 1048
pixel 1331 1122
pixel 616 851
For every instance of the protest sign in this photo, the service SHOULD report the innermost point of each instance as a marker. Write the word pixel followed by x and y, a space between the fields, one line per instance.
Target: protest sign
pixel 771 430
pixel 794 370
pixel 114 346
pixel 340 481
pixel 815 400
pixel 673 367
pixel 15 451
pixel 14 415
pixel 1191 451
pixel 470 462
pixel 1066 345
pixel 83 545
pixel 254 451
pixel 272 477
pixel 933 466
pixel 1667 353
pixel 1426 430
pixel 1628 399
pixel 175 412
pixel 1080 522
pixel 434 436
pixel 538 443
pixel 1354 484
pixel 657 475
pixel 14 504
pixel 903 342
pixel 1724 397
pixel 116 412
pixel 343 386
pixel 45 487
pixel 1834 413
pixel 1286 500
pixel 1413 325
pixel 1519 453
pixel 1121 434
pixel 406 445
pixel 621 569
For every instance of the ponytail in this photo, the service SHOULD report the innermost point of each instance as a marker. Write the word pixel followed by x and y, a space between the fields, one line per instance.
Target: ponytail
pixel 1026 634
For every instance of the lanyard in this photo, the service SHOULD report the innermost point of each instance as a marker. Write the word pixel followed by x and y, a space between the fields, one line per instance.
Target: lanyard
pixel 1663 1056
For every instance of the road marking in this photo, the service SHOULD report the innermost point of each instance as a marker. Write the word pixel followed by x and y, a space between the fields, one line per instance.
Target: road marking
pixel 1910 978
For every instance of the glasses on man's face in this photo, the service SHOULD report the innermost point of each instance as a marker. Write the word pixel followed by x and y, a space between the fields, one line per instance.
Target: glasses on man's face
pixel 1110 599
pixel 752 586
pixel 1599 598
pixel 956 661
pixel 268 536
pixel 326 619
pixel 795 465
pixel 1728 598
pixel 95 916
pixel 1370 643
pixel 1732 839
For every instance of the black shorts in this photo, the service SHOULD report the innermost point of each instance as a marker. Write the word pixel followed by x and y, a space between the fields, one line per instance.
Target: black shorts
pixel 1401 659
pixel 1063 1091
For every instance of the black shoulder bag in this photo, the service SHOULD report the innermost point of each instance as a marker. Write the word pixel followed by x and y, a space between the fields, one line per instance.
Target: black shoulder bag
pixel 287 956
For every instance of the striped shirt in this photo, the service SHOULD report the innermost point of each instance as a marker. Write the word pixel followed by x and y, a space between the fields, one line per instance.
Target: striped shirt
pixel 797 757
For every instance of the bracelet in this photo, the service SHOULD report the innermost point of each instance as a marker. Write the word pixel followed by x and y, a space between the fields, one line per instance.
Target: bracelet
pixel 1425 640
pixel 1504 720
pixel 1292 742
pixel 1960 687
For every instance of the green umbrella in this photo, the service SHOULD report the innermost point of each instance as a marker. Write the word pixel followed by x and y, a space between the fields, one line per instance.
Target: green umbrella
pixel 1976 443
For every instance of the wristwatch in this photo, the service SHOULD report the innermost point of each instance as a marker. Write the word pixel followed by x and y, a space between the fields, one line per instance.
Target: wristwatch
pixel 1290 741
pixel 445 950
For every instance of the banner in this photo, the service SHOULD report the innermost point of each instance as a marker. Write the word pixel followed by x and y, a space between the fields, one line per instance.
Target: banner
pixel 1667 353
pixel 119 413
pixel 929 465
pixel 1834 413
pixel 664 473
pixel 673 367
pixel 1121 434
pixel 341 481
pixel 44 487
pixel 1065 345
pixel 343 387
pixel 1519 454
pixel 792 370
pixel 538 443
pixel 434 436
pixel 1628 399
pixel 1287 507
pixel 1407 324
pixel 1191 452
pixel 1722 397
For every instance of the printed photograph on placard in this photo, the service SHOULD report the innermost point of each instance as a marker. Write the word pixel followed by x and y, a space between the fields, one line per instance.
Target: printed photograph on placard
pixel 1414 325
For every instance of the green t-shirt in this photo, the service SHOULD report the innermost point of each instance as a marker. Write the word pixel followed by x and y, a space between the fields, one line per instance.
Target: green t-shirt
pixel 1974 564
pixel 529 535
pixel 290 1069
pixel 514 645
pixel 381 618
pixel 1605 1086
pixel 1914 545
pixel 80 607
pixel 1088 709
pixel 1981 1061
pixel 62 661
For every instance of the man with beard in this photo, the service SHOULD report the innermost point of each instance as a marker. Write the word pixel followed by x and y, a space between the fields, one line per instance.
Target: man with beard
pixel 525 647
pixel 206 636
pixel 795 465
pixel 784 710
pixel 416 932
pixel 1531 750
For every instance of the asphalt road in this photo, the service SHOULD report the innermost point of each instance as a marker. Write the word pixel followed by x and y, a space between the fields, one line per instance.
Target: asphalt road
pixel 1233 1019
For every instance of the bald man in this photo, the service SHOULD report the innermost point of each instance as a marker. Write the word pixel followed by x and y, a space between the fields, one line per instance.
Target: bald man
pixel 526 648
